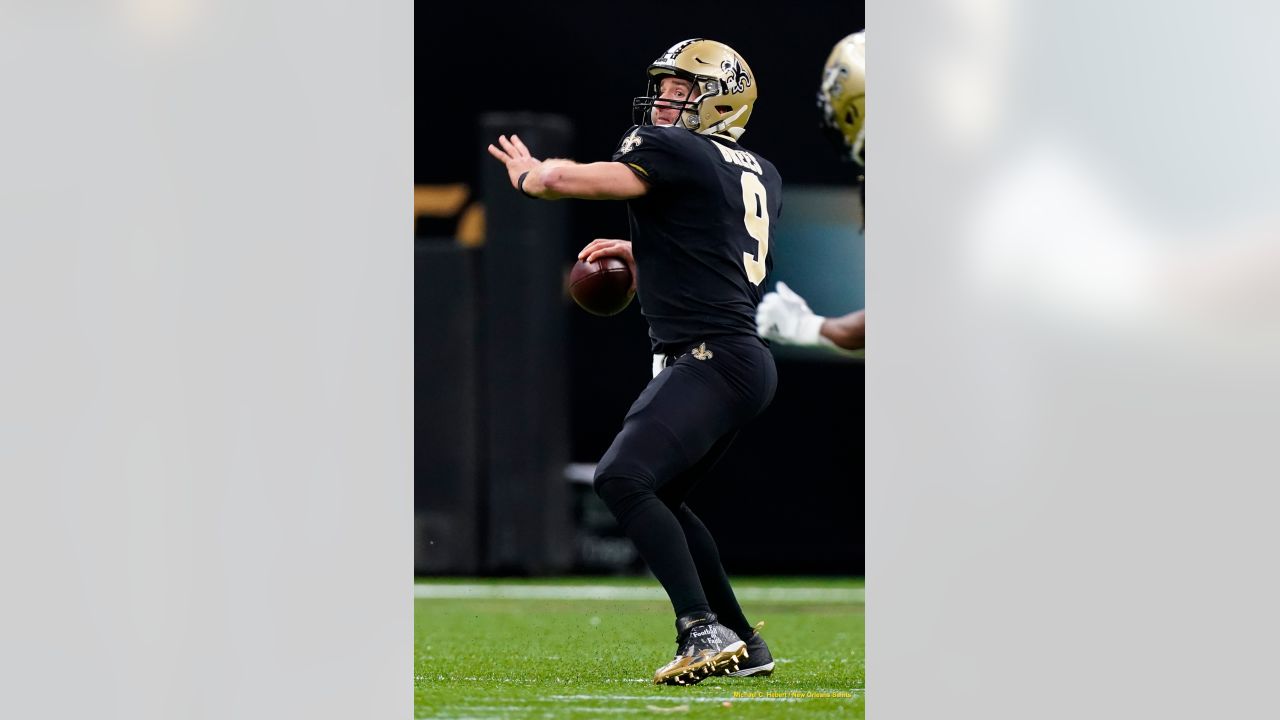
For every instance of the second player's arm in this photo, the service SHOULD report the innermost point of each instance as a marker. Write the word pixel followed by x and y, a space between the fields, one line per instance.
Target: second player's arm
pixel 847 331
pixel 555 179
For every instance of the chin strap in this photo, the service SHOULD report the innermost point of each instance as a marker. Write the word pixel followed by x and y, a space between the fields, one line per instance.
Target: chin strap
pixel 723 125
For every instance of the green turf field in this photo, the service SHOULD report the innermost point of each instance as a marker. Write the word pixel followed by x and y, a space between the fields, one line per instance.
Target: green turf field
pixel 483 649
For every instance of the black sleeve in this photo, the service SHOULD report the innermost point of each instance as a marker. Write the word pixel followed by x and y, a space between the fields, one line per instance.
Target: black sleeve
pixel 658 154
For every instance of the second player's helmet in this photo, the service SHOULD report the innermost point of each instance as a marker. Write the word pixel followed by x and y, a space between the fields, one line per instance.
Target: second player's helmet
pixel 724 87
pixel 842 95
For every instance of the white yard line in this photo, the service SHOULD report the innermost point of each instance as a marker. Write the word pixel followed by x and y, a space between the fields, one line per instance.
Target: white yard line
pixel 783 696
pixel 608 592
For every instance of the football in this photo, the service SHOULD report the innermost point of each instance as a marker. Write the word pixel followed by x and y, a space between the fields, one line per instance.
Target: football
pixel 602 287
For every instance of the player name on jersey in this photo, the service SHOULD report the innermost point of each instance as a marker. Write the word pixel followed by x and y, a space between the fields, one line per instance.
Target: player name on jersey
pixel 739 157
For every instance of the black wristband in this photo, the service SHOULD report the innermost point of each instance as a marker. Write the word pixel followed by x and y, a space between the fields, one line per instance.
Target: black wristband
pixel 520 184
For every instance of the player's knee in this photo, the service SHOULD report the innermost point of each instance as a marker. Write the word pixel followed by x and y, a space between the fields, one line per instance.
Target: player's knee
pixel 620 492
pixel 612 486
pixel 598 484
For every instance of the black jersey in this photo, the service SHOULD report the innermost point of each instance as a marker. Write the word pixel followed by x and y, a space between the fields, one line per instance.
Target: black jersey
pixel 702 236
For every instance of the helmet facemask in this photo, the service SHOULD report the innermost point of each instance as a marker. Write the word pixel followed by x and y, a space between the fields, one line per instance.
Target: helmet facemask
pixel 690 111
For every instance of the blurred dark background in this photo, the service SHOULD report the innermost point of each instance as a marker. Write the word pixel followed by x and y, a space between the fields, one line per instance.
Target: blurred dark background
pixel 518 392
pixel 587 60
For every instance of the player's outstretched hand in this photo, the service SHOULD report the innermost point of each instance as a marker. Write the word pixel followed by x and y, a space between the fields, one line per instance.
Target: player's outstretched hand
pixel 605 247
pixel 785 316
pixel 515 156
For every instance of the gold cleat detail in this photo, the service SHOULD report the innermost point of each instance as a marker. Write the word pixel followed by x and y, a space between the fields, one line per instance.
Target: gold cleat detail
pixel 692 670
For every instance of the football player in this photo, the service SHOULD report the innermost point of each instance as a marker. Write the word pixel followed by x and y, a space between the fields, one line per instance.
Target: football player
pixel 701 208
pixel 783 315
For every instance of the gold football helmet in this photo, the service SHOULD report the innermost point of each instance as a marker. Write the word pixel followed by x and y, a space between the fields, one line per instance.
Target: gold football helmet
pixel 724 88
pixel 842 96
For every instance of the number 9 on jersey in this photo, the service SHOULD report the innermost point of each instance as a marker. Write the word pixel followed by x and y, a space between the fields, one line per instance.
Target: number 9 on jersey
pixel 756 217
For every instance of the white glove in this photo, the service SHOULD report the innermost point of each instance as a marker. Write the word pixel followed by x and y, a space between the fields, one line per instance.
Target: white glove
pixel 785 316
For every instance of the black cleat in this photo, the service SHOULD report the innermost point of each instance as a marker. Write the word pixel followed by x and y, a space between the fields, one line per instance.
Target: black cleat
pixel 703 647
pixel 758 660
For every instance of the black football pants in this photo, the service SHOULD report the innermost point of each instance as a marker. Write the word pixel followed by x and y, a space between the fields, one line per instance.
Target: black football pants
pixel 672 436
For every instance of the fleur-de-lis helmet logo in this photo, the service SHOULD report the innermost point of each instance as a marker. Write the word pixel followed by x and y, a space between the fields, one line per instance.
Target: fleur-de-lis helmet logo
pixel 736 79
